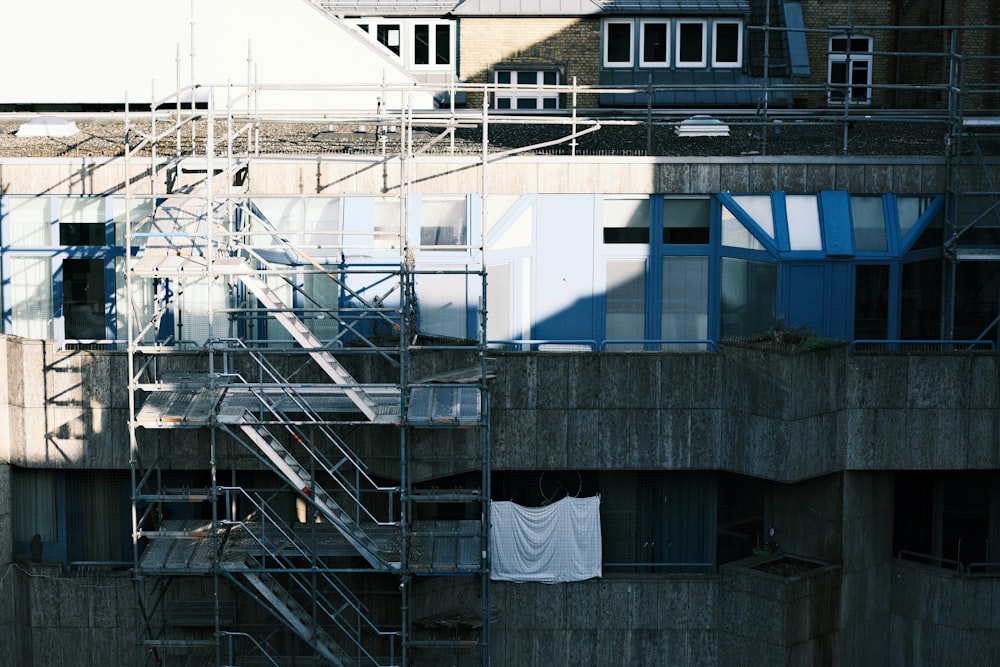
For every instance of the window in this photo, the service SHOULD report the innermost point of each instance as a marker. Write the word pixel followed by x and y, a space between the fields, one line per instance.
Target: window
pixel 625 302
pixel 527 89
pixel 388 36
pixel 850 71
pixel 432 44
pixel 618 45
pixel 871 302
pixel 626 220
pixel 427 44
pixel 690 44
pixel 686 221
pixel 654 43
pixel 684 294
pixel 748 294
pixel 443 222
pixel 869 224
pixel 727 44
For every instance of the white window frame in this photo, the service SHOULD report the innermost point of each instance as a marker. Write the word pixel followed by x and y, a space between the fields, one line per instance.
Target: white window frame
pixel 682 64
pixel 631 43
pixel 432 25
pixel 642 43
pixel 840 93
pixel 518 92
pixel 739 43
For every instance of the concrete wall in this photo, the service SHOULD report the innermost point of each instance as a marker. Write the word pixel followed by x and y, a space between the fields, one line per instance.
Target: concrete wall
pixel 332 175
pixel 784 417
pixel 941 618
pixel 618 621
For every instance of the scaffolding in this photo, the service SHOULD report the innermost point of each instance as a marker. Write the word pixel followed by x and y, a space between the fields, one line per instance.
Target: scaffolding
pixel 310 471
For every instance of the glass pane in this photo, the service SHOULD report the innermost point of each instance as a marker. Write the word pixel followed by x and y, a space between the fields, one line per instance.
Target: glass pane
pixel 758 207
pixel 498 289
pixel 920 309
pixel 388 36
pixel 909 210
pixel 550 103
pixel 388 223
pixel 869 224
pixel 442 44
pixel 735 235
pixel 30 220
pixel 503 76
pixel 727 43
pixel 34 505
pixel 748 296
pixel 83 298
pixel 685 299
pixel 871 302
pixel 551 77
pixel 322 305
pixel 442 300
pixel 803 222
pixel 626 220
pixel 503 103
pixel 31 293
pixel 82 221
pixel 618 45
pixel 443 222
pixel 691 48
pixel 686 221
pixel 527 103
pixel 654 42
pixel 527 78
pixel 625 302
pixel 421 45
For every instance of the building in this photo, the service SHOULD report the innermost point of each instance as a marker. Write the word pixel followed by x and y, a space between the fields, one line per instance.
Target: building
pixel 267 403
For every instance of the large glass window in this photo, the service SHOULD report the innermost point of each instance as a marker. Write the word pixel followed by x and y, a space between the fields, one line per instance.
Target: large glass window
pixel 748 295
pixel 684 294
pixel 803 223
pixel 690 44
pixel 850 70
pixel 626 220
pixel 443 222
pixel 654 43
pixel 625 302
pixel 727 44
pixel 686 220
pixel 868 218
pixel 871 302
pixel 618 47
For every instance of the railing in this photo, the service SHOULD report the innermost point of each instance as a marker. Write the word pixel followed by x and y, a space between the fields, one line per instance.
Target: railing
pixel 607 345
pixel 926 345
pixel 280 547
pixel 342 471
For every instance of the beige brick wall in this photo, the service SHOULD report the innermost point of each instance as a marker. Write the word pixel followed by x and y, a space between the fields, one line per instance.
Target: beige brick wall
pixel 571 45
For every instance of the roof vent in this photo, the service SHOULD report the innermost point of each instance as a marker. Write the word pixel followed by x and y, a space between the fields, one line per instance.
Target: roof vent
pixel 47 126
pixel 702 126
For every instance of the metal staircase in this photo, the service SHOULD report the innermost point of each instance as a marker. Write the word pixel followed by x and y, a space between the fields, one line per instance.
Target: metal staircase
pixel 287 462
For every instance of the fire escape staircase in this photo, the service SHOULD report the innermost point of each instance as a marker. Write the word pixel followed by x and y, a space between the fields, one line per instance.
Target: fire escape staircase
pixel 300 478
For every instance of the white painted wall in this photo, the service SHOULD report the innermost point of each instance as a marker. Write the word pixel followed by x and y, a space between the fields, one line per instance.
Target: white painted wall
pixel 99 51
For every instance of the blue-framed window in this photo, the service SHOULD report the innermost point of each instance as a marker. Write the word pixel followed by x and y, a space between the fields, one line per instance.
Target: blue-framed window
pixel 62 266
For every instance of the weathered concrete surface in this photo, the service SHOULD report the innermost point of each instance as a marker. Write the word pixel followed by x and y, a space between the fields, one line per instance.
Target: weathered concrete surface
pixel 335 174
pixel 778 416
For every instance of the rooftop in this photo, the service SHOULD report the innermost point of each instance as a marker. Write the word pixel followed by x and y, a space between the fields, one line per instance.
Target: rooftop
pixel 104 136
